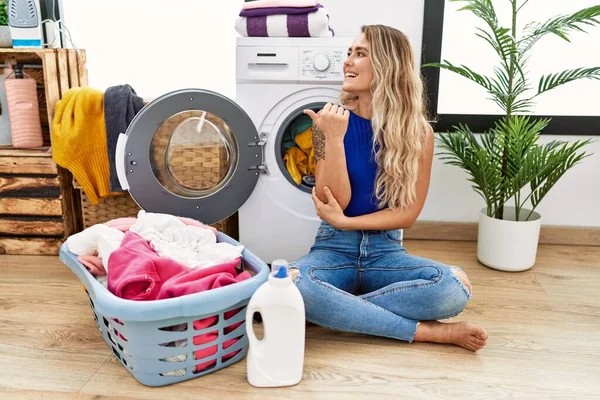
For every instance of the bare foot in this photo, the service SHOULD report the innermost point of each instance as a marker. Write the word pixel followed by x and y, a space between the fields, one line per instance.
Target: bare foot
pixel 464 334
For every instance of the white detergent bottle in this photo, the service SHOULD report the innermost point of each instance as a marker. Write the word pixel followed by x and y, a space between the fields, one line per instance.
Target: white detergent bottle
pixel 277 359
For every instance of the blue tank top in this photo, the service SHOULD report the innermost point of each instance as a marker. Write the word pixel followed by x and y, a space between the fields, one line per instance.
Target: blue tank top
pixel 362 168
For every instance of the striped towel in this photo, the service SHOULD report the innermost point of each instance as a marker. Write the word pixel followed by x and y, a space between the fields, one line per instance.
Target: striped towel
pixel 315 24
pixel 261 12
pixel 278 3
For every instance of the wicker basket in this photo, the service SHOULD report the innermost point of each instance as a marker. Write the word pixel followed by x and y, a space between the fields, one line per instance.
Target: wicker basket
pixel 184 162
pixel 124 206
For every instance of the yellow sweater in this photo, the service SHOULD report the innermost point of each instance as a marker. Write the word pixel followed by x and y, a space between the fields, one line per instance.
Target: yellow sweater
pixel 79 140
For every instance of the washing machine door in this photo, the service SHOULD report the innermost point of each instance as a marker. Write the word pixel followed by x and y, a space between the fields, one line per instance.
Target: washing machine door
pixel 191 153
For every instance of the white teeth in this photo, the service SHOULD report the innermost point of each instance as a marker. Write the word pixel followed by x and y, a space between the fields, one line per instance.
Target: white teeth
pixel 350 75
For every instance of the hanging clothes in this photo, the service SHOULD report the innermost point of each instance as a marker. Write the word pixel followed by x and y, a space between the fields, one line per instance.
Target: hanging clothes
pixel 121 104
pixel 79 140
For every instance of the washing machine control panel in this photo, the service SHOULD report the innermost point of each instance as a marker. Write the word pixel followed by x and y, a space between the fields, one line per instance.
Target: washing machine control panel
pixel 322 64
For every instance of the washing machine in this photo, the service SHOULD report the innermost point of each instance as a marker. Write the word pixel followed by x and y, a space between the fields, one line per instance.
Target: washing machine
pixel 198 154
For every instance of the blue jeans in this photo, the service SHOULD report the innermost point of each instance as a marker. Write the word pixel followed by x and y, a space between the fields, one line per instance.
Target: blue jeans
pixel 365 282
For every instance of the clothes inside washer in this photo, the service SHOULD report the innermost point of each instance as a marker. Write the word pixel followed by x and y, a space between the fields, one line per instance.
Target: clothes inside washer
pixel 296 163
pixel 300 159
pixel 304 140
pixel 296 127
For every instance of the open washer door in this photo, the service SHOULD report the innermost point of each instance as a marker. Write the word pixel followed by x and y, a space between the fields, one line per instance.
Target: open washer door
pixel 191 153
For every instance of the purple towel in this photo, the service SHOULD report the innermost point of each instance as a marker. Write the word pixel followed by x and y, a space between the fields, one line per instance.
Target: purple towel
pixel 262 12
pixel 297 25
pixel 313 24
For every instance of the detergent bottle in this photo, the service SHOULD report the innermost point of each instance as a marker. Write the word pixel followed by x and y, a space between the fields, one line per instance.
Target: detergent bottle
pixel 277 359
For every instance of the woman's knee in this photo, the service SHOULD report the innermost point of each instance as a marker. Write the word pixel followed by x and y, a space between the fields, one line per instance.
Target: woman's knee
pixel 454 294
pixel 463 278
pixel 314 295
pixel 300 277
pixel 294 272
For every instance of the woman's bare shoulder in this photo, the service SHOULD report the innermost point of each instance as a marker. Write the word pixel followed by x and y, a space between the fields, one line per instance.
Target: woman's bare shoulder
pixel 428 138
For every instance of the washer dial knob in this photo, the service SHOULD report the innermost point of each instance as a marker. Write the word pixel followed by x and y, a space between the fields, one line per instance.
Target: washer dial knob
pixel 321 63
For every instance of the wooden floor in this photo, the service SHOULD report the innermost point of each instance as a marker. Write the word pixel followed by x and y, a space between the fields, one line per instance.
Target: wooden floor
pixel 544 327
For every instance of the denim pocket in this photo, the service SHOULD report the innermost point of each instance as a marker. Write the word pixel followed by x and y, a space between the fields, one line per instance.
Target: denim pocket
pixel 325 232
pixel 394 236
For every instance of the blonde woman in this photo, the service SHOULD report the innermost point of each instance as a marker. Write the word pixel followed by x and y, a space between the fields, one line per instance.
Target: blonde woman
pixel 373 160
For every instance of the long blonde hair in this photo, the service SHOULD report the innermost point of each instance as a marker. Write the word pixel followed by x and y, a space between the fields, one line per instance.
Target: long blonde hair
pixel 399 118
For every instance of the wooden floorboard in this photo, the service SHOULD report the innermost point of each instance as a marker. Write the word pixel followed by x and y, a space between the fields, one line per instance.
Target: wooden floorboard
pixel 544 343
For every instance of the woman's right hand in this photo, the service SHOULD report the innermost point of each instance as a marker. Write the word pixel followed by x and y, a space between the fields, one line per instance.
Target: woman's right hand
pixel 332 120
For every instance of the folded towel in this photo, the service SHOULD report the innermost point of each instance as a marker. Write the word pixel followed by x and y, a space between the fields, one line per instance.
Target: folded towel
pixel 315 24
pixel 278 3
pixel 260 12
pixel 121 104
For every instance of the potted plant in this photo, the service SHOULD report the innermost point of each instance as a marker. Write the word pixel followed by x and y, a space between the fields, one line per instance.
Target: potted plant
pixel 5 38
pixel 507 164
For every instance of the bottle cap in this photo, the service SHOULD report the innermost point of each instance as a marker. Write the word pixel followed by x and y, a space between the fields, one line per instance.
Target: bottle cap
pixel 279 268
pixel 18 68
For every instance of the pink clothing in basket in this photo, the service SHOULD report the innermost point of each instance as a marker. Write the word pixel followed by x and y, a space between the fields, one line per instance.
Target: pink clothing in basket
pixel 94 263
pixel 137 272
pixel 122 224
pixel 212 336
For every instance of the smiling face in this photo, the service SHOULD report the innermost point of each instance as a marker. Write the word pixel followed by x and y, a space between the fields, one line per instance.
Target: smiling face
pixel 358 70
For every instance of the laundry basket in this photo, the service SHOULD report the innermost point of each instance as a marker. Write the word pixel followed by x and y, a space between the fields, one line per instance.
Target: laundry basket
pixel 155 340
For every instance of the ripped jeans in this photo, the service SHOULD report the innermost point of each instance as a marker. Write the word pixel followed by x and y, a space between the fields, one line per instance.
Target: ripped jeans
pixel 365 282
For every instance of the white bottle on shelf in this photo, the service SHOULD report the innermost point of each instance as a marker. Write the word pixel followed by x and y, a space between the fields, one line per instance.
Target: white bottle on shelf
pixel 277 359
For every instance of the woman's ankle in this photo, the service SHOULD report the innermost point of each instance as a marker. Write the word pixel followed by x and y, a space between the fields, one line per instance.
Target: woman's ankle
pixel 428 331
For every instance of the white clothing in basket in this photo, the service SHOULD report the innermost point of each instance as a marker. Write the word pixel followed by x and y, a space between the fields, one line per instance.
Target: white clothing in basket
pixel 192 246
pixel 98 238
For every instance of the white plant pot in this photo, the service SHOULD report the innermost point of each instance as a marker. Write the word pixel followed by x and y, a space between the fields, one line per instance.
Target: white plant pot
pixel 508 245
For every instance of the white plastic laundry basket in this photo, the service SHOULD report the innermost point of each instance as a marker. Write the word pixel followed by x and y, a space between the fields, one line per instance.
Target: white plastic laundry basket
pixel 154 340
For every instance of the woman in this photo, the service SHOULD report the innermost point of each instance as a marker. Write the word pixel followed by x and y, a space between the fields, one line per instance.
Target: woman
pixel 373 161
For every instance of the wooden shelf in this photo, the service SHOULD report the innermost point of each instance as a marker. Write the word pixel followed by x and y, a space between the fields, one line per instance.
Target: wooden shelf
pixel 25 56
pixel 9 151
pixel 38 205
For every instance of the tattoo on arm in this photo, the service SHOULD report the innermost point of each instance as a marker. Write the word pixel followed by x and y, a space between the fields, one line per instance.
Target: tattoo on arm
pixel 318 144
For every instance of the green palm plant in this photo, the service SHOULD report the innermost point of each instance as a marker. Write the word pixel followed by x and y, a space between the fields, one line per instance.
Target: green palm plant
pixel 508 158
pixel 3 13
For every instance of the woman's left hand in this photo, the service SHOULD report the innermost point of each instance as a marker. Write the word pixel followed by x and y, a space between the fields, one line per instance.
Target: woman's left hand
pixel 330 212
